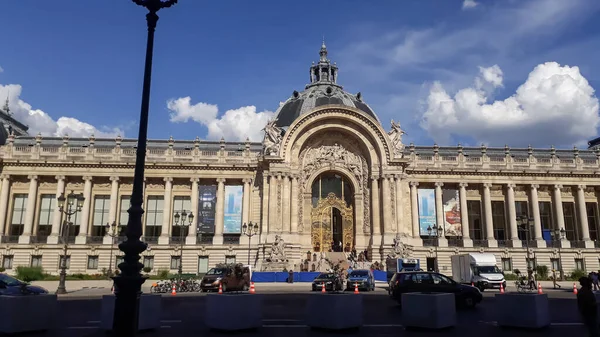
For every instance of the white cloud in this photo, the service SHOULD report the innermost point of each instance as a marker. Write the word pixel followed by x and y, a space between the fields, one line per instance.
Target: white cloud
pixel 468 4
pixel 556 105
pixel 40 122
pixel 233 125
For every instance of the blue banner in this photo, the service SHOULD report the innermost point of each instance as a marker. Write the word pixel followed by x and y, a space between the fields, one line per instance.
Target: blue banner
pixel 233 209
pixel 427 219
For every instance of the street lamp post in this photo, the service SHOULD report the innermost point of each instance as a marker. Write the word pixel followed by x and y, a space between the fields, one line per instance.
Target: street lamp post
pixel 112 232
pixel 74 204
pixel 437 231
pixel 249 230
pixel 557 236
pixel 128 284
pixel 190 218
pixel 525 223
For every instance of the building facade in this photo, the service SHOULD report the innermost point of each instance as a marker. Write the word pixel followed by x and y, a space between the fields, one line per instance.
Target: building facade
pixel 327 176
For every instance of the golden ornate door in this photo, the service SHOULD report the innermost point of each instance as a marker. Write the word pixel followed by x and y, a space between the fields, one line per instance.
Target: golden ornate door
pixel 321 224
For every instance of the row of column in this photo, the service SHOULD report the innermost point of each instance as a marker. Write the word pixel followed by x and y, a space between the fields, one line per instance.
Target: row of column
pixel 392 215
pixel 512 216
pixel 280 200
pixel 28 231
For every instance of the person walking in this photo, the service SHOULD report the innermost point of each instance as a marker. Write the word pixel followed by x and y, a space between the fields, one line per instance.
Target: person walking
pixel 588 308
pixel 556 285
pixel 595 280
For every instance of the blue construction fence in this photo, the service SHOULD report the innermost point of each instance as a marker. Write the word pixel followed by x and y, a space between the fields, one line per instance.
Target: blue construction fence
pixel 267 276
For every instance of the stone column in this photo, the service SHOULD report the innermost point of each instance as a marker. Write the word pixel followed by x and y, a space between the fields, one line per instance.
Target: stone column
pixel 274 224
pixel 559 214
pixel 4 202
pixel 399 204
pixel 386 195
pixel 165 230
pixel 512 216
pixel 414 210
pixel 57 215
pixel 294 206
pixel 265 208
pixel 537 222
pixel 285 204
pixel 464 215
pixel 583 217
pixel 84 225
pixel 489 222
pixel 25 238
pixel 193 229
pixel 246 201
pixel 112 211
pixel 220 212
pixel 440 218
pixel 376 223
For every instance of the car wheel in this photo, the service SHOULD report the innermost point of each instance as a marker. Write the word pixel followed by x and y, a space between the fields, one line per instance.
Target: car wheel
pixel 245 287
pixel 224 287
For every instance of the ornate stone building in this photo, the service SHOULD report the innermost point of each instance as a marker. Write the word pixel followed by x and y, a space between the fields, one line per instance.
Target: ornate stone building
pixel 327 176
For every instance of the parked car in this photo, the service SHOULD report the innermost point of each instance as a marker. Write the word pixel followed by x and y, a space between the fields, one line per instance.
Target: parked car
pixel 430 282
pixel 363 278
pixel 230 278
pixel 329 280
pixel 12 287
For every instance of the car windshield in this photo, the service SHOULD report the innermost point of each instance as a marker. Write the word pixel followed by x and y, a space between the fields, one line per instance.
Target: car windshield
pixel 216 271
pixel 359 273
pixel 325 275
pixel 9 281
pixel 486 270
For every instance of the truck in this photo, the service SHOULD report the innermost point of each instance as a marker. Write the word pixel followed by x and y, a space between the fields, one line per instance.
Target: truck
pixel 397 265
pixel 477 269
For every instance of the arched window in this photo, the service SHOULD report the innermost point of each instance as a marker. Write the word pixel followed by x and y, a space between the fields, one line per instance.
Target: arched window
pixel 330 182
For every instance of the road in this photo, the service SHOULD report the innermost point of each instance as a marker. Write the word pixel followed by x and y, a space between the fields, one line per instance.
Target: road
pixel 182 315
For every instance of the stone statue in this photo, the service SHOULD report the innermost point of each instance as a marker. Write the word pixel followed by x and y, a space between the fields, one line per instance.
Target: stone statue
pixel 395 135
pixel 273 137
pixel 400 250
pixel 277 251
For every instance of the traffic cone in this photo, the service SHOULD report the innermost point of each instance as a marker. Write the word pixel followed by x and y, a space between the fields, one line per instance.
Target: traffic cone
pixel 252 290
pixel 356 288
pixel 501 289
pixel 323 288
pixel 540 288
pixel 472 284
pixel 574 288
pixel 220 288
pixel 173 291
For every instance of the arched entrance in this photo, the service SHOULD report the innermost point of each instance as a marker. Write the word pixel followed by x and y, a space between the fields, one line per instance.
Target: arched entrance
pixel 332 215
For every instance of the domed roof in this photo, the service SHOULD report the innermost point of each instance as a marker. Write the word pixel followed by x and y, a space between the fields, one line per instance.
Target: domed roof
pixel 322 90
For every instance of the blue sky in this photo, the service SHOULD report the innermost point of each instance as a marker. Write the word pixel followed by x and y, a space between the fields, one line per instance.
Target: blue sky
pixel 437 66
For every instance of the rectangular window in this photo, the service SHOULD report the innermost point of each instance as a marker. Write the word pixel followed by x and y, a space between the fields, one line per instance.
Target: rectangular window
pixel 181 204
pixel 92 262
pixel 506 264
pixel 154 216
pixel 124 207
pixel 474 211
pixel 555 264
pixel 522 209
pixel 7 262
pixel 101 209
pixel 499 220
pixel 202 264
pixel 47 206
pixel 579 264
pixel 18 215
pixel 592 215
pixel 67 261
pixel 149 262
pixel 175 262
pixel 118 261
pixel 36 261
pixel 570 222
pixel 546 215
pixel 230 259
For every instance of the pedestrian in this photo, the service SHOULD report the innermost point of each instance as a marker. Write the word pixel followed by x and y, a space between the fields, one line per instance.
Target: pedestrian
pixel 595 280
pixel 291 276
pixel 556 285
pixel 588 308
pixel 531 279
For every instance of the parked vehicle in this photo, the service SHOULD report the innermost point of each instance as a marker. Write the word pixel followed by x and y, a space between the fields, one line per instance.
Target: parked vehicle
pixel 429 282
pixel 479 269
pixel 12 287
pixel 229 277
pixel 330 281
pixel 363 278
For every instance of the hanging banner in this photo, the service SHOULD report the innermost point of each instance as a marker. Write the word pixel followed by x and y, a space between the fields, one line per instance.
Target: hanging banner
pixel 426 203
pixel 451 202
pixel 233 209
pixel 207 204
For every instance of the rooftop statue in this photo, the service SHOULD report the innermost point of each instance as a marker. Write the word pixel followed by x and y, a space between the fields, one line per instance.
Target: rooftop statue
pixel 396 137
pixel 273 137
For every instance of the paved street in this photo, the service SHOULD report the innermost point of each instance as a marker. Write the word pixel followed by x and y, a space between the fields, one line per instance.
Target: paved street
pixel 182 315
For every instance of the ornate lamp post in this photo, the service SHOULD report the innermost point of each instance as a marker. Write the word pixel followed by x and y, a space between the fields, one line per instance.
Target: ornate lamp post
pixel 190 218
pixel 128 284
pixel 249 230
pixel 112 230
pixel 525 226
pixel 437 231
pixel 557 236
pixel 74 203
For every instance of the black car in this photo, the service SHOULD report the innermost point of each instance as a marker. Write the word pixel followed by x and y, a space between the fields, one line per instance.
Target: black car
pixel 327 279
pixel 429 282
pixel 12 287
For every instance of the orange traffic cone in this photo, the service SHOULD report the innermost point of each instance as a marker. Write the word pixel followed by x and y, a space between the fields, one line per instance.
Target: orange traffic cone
pixel 220 288
pixel 356 288
pixel 540 288
pixel 574 288
pixel 252 290
pixel 501 289
pixel 323 288
pixel 173 291
pixel 472 284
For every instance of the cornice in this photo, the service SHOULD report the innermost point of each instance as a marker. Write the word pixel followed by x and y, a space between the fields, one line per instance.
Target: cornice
pixel 503 173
